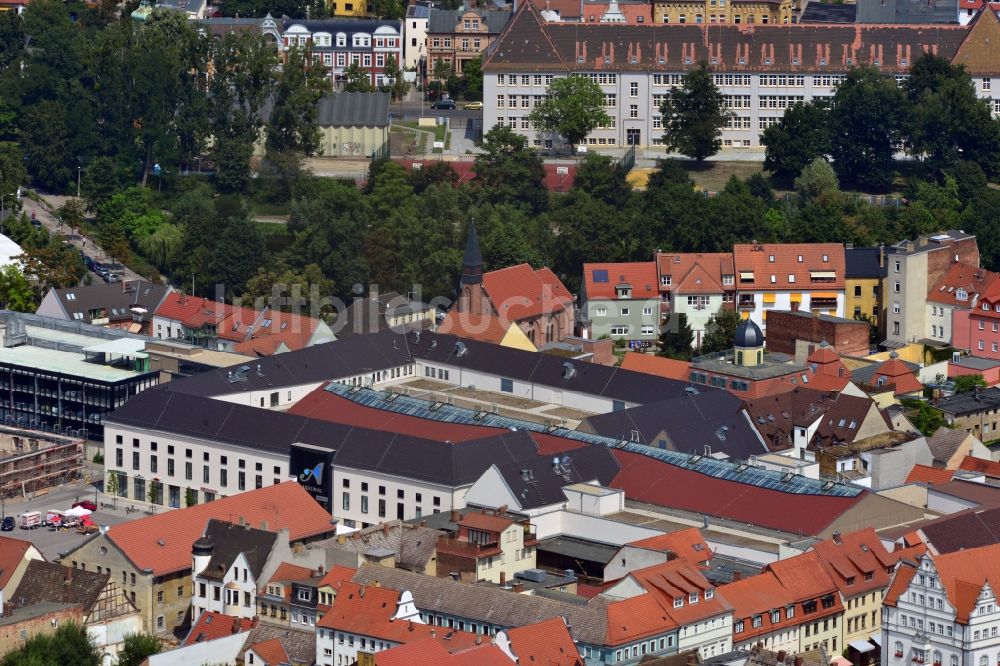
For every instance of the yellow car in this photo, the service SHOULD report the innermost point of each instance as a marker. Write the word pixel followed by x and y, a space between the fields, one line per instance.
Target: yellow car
pixel 473 106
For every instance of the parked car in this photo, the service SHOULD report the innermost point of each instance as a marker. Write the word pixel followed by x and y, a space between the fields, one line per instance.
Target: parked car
pixel 112 278
pixel 8 524
pixel 86 504
pixel 88 262
pixel 473 106
pixel 444 104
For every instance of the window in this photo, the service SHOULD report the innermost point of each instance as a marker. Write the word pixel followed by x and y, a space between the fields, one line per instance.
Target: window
pixel 633 89
pixel 986 83
pixel 346 501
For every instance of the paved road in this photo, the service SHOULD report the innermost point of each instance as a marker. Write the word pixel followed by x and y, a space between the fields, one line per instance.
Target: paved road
pixel 53 542
pixel 50 222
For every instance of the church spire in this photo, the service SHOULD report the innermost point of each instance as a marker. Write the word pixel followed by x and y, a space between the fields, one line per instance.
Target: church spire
pixel 472 260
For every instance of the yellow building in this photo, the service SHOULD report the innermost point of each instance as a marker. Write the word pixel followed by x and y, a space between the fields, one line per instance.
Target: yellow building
pixel 349 8
pixel 863 279
pixel 723 11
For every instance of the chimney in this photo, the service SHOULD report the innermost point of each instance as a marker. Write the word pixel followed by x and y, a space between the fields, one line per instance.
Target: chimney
pixel 798 661
pixel 837 538
pixel 692 658
pixel 781 656
pixel 263 525
pixel 423 523
pixel 502 511
pixel 503 578
pixel 385 529
pixel 479 639
pixel 361 592
pixel 517 588
pixel 737 575
pixel 848 246
pixel 69 576
pixel 236 625
pixel 373 291
pixel 454 515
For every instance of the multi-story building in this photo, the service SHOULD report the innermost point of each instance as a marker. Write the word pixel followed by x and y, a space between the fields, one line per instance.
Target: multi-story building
pixel 944 611
pixel 816 601
pixel 863 272
pixel 129 305
pixel 762 12
pixel 976 412
pixel 761 71
pixel 696 285
pixel 487 547
pixel 800 276
pixel 415 35
pixel 912 270
pixel 621 301
pixel 457 36
pixel 954 301
pixel 763 612
pixel 338 43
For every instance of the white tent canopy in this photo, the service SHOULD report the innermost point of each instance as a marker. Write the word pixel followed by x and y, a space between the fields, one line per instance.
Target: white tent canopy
pixel 78 512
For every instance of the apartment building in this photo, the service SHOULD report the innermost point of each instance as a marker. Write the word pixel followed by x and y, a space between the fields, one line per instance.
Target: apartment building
pixel 749 12
pixel 796 276
pixel 944 610
pixel 863 272
pixel 816 601
pixel 760 71
pixel 696 285
pixel 913 268
pixel 763 612
pixel 621 301
pixel 455 37
pixel 952 301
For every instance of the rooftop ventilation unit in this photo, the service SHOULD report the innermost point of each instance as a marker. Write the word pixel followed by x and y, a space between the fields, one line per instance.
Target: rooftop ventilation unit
pixel 568 370
pixel 460 349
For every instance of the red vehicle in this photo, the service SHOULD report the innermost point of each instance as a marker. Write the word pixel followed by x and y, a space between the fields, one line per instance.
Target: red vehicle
pixel 86 504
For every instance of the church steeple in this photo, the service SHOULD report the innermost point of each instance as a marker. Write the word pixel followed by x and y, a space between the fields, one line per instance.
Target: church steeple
pixel 472 260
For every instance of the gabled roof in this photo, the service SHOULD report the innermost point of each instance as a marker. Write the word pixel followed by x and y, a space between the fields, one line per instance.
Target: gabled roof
pixel 804 577
pixel 929 475
pixel 962 279
pixel 272 652
pixel 945 442
pixel 977 52
pixel 689 422
pixel 898 373
pixel 525 44
pixel 675 579
pixel 660 366
pixel 963 574
pixel 979 400
pixel 695 272
pixel 112 301
pixel 48 581
pixel 521 292
pixel 602 280
pixel 482 327
pixel 229 541
pixel 851 558
pixel 543 485
pixel 412 545
pixel 971 528
pixel 754 267
pixel 212 625
pixel 162 543
pixel 445 20
pixel 300 646
pixel 987 467
pixel 288 572
pixel 12 551
pixel 547 642
pixel 687 544
pixel 757 596
pixel 775 416
pixel 191 311
pixel 354 109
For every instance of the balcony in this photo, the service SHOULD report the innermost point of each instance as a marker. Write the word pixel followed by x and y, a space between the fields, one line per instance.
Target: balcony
pixel 464 548
pixel 746 303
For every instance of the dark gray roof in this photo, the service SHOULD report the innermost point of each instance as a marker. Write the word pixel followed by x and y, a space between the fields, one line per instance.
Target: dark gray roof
pixel 114 301
pixel 581 549
pixel 364 354
pixel 52 582
pixel 944 443
pixel 861 262
pixel 828 12
pixel 909 12
pixel 690 421
pixel 368 315
pixel 960 404
pixel 354 109
pixel 418 11
pixel 543 485
pixel 444 20
pixel 977 362
pixel 348 26
pixel 229 540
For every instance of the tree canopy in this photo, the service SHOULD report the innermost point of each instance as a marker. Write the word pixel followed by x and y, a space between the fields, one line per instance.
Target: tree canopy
pixel 572 108
pixel 694 114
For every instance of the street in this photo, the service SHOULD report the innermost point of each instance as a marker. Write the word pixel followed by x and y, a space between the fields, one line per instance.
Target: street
pixel 53 542
pixel 88 245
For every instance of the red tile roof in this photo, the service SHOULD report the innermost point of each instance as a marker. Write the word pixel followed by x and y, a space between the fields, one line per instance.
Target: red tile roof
pixel 162 543
pixel 483 655
pixel 972 279
pixel 645 480
pixel 484 522
pixel 900 581
pixel 856 557
pixel 290 572
pixel 640 275
pixel 987 467
pixel 424 652
pixel 547 642
pixel 929 475
pixel 212 625
pixel 805 578
pixel 895 372
pixel 636 618
pixel 521 292
pixel 485 328
pixel 336 576
pixel 755 259
pixel 12 551
pixel 758 595
pixel 191 311
pixel 963 574
pixel 688 544
pixel 272 652
pixel 656 365
pixel 695 272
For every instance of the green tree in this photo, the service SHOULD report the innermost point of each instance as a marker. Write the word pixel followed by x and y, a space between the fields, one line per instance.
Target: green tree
pixel 236 257
pixel 677 338
pixel 866 121
pixel 816 179
pixel 694 114
pixel 357 79
pixel 69 644
pixel 510 172
pixel 12 172
pixel 572 108
pixel 190 497
pixel 388 9
pixel 11 38
pixel 112 486
pixel 399 87
pixel 720 332
pixel 46 140
pixel 947 121
pixel 163 247
pixel 472 79
pixel 968 383
pixel 136 648
pixel 924 417
pixel 604 179
pixel 16 293
pixel 296 98
pixel 442 69
pixel 795 141
pixel 100 180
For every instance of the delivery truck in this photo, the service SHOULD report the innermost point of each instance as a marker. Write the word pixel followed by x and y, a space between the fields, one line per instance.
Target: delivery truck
pixel 31 519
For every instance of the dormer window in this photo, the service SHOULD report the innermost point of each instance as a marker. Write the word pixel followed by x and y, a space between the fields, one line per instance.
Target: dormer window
pixel 678 602
pixel 693 598
pixel 624 292
pixel 709 593
pixel 963 295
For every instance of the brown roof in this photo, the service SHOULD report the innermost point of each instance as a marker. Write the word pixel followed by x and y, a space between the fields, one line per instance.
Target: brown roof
pixel 987 467
pixel 413 545
pixel 162 543
pixel 854 558
pixel 972 279
pixel 931 476
pixel 756 259
pixel 300 646
pixel 978 52
pixel 985 496
pixel 966 529
pixel 212 625
pixel 49 581
pixel 696 272
pixel 487 523
pixel 945 442
pixel 12 551
pixel 530 44
pixel 521 292
pixel 483 327
pixel 776 415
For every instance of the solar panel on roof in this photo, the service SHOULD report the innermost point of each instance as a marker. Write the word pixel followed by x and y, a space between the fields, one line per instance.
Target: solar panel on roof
pixel 600 276
pixel 720 469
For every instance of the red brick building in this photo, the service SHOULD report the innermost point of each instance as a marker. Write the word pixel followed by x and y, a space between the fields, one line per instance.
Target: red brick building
pixel 847 336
